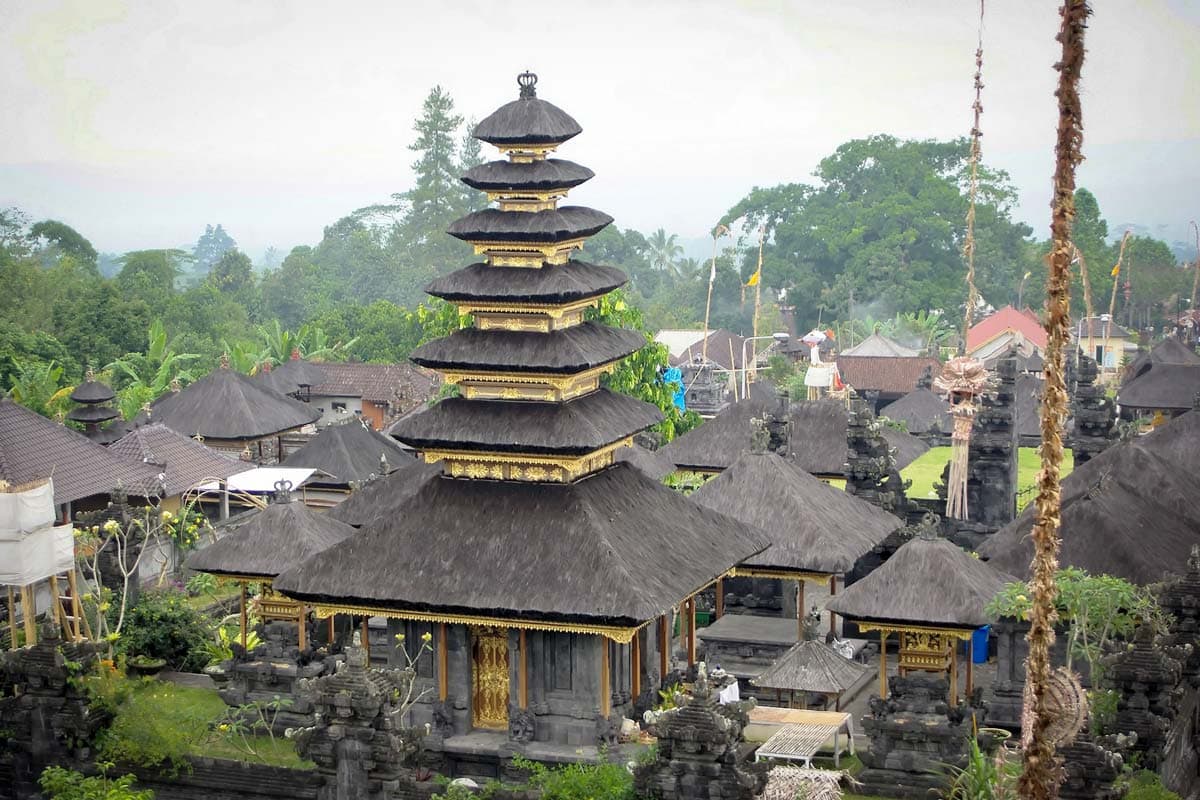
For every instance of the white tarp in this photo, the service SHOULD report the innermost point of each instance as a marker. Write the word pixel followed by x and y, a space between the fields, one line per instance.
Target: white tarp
pixel 31 547
pixel 262 480
pixel 26 511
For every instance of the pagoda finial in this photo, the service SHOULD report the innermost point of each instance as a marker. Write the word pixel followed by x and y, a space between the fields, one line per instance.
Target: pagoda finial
pixel 175 385
pixel 225 360
pixel 295 354
pixel 528 83
pixel 283 491
pixel 90 375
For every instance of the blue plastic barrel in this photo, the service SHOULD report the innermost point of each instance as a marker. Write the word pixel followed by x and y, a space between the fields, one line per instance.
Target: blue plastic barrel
pixel 979 644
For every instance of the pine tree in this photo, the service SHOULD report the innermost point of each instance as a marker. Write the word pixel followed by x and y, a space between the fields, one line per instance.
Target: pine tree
pixel 434 199
pixel 210 247
pixel 470 154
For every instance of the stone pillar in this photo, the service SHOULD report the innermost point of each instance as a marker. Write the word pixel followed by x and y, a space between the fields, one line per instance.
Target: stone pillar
pixel 699 755
pixel 1146 677
pixel 1094 414
pixel 992 458
pixel 358 742
pixel 869 460
pixel 915 733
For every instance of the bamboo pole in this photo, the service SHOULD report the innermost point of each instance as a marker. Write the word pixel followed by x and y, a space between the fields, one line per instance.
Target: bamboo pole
pixel 1112 303
pixel 973 187
pixel 329 629
pixel 1040 775
pixel 56 604
pixel 718 232
pixel 753 376
pixel 1196 280
pixel 29 615
pixel 81 622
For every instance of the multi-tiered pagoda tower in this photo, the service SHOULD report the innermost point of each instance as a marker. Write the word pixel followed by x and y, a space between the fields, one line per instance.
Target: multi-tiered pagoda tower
pixel 544 572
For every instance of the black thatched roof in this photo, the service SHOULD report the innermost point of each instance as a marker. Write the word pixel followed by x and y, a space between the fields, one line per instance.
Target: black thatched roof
pixel 568 350
pixel 575 280
pixel 228 405
pixel 92 391
pixel 383 496
pixel 928 581
pixel 184 462
pixel 33 448
pixel 812 526
pixel 921 410
pixel 277 381
pixel 528 120
pixel 1128 512
pixel 606 548
pixel 92 414
pixel 543 175
pixel 574 427
pixel 1162 386
pixel 816 443
pixel 1169 351
pixel 552 225
pixel 302 371
pixel 811 667
pixel 349 452
pixel 650 462
pixel 281 536
pixel 907 447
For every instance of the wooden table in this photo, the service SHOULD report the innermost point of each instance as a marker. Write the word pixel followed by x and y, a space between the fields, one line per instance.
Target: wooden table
pixel 802 733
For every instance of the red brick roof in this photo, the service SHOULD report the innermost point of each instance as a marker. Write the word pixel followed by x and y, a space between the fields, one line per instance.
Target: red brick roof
pixel 403 385
pixel 896 375
pixel 1007 319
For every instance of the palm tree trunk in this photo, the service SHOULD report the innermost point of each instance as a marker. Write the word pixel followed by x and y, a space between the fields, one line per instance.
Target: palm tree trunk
pixel 1040 774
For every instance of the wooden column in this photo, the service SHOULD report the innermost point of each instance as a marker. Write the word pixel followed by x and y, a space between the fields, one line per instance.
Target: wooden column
pixel 719 611
pixel 605 690
pixel 366 638
pixel 832 593
pixel 242 619
pixel 12 620
pixel 635 665
pixel 883 664
pixel 443 663
pixel 691 640
pixel 331 631
pixel 302 622
pixel 970 667
pixel 522 671
pixel 953 676
pixel 800 610
pixel 664 648
pixel 29 613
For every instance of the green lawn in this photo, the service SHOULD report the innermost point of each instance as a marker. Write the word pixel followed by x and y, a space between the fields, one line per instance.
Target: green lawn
pixel 928 468
pixel 159 722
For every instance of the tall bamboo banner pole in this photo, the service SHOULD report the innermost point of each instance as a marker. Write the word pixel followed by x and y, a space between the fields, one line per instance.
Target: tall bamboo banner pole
pixel 1112 301
pixel 718 232
pixel 1196 280
pixel 973 191
pixel 1040 774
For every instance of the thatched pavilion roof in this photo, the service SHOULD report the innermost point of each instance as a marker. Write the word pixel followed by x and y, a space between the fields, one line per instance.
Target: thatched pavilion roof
pixel 920 410
pixel 566 283
pixel 349 451
pixel 383 496
pixel 811 666
pixel 228 405
pixel 527 120
pixel 561 224
pixel 567 350
pixel 605 548
pixel 1129 512
pixel 92 391
pixel 908 447
pixel 650 462
pixel 547 173
pixel 1169 351
pixel 930 582
pixel 1162 386
pixel 283 535
pixel 812 526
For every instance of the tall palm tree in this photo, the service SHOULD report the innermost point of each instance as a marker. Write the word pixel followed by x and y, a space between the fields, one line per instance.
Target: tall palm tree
pixel 665 252
pixel 688 270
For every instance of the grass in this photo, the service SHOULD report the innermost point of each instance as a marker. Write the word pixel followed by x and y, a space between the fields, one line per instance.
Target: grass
pixel 223 594
pixel 928 468
pixel 160 721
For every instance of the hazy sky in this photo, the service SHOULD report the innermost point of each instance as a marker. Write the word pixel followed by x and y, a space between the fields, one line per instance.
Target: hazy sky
pixel 139 122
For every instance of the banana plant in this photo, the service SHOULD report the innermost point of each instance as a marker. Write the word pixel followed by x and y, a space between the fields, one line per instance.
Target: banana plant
pixel 37 385
pixel 147 376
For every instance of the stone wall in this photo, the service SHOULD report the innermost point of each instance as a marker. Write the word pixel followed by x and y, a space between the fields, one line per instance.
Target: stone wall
pixel 223 779
pixel 992 459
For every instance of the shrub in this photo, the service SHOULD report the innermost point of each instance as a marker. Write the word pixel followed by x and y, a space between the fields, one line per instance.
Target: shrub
pixel 579 781
pixel 162 625
pixel 141 733
pixel 67 784
pixel 1147 785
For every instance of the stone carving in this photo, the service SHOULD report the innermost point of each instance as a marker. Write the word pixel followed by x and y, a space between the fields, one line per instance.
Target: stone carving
pixel 870 468
pixel 1094 414
pixel 521 725
pixel 1147 677
pixel 992 458
pixel 914 734
pixel 699 755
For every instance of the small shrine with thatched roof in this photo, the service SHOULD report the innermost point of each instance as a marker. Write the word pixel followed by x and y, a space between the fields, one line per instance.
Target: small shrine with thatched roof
pixel 350 454
pixel 812 667
pixel 95 405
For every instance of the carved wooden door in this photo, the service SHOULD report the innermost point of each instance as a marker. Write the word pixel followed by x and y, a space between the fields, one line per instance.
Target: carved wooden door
pixel 489 678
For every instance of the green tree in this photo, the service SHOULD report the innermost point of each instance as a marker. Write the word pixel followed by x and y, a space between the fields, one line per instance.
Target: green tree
pixel 38 386
pixel 470 154
pixel 232 272
pixel 65 238
pixel 144 377
pixel 434 198
pixel 150 275
pixel 211 245
pixel 665 252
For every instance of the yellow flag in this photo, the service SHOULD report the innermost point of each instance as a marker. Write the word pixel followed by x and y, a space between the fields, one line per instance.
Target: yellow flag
pixel 1116 270
pixel 754 278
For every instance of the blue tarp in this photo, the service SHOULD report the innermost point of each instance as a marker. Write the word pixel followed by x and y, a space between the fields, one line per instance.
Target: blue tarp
pixel 673 375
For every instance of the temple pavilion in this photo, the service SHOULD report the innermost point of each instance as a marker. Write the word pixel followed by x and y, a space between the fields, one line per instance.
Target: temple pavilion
pixel 544 572
pixel 94 407
pixel 347 454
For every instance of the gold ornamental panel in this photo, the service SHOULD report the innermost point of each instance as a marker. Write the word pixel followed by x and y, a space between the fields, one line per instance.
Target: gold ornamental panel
pixel 489 677
pixel 533 255
pixel 924 650
pixel 544 387
pixel 526 153
pixel 523 467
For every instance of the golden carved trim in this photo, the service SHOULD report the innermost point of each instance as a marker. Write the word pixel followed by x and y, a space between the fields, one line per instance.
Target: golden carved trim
pixel 223 578
pixel 530 467
pixel 617 634
pixel 526 153
pixel 526 254
pixel 782 574
pixel 957 633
